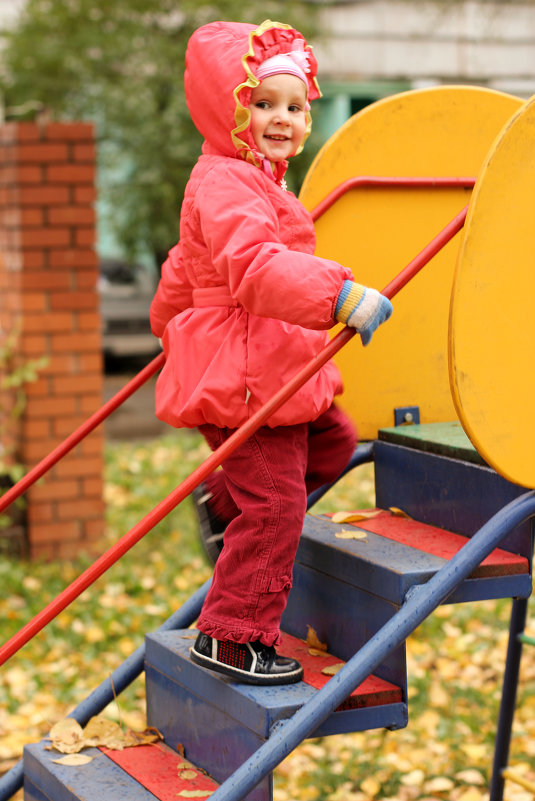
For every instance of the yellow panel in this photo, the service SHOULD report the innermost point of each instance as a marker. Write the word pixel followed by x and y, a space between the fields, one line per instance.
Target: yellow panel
pixel 492 327
pixel 444 131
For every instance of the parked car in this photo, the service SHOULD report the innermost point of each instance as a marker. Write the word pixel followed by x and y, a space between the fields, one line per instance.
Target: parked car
pixel 126 291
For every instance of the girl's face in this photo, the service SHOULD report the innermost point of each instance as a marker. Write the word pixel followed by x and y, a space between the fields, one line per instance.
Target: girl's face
pixel 278 121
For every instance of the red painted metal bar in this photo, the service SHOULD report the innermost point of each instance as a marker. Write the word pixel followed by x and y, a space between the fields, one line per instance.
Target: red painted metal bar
pixel 132 386
pixel 86 428
pixel 217 457
pixel 400 182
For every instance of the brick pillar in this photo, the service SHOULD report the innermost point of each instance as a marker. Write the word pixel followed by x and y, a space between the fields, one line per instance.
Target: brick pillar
pixel 48 281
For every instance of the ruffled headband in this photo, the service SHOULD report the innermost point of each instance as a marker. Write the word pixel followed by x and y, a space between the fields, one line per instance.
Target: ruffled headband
pixel 293 63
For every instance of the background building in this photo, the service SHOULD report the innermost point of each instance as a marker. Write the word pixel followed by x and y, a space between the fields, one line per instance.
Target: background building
pixel 375 48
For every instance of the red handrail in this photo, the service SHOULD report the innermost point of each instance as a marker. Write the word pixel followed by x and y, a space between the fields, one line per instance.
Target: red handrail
pixel 399 182
pixel 86 428
pixel 217 457
pixel 359 181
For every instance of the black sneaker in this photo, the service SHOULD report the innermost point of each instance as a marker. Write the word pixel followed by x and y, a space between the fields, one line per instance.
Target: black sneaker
pixel 250 662
pixel 212 529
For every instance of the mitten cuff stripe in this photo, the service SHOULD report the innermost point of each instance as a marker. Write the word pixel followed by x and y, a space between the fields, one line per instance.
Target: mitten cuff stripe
pixel 348 300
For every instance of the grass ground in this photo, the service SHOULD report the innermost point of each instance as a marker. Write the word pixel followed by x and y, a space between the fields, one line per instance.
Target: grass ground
pixel 455 658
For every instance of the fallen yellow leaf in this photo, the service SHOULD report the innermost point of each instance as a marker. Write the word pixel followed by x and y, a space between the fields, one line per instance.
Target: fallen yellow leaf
pixel 313 640
pixel 100 729
pixel 475 751
pixel 414 778
pixel 66 727
pixel 94 634
pixel 470 776
pixel 355 534
pixel 440 698
pixel 370 786
pixel 195 793
pixel 67 736
pixel 145 737
pixel 398 512
pixel 471 794
pixel 332 670
pixel 187 774
pixel 353 517
pixel 74 760
pixel 440 784
pixel 429 721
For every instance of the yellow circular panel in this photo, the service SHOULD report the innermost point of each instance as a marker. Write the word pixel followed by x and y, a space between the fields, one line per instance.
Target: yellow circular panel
pixel 444 131
pixel 492 326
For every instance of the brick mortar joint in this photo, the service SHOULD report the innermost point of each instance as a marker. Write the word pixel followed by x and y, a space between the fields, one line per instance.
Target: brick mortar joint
pixel 22 172
pixel 13 131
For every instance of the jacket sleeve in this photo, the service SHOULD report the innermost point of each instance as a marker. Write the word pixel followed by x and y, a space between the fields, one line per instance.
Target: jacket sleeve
pixel 241 229
pixel 173 294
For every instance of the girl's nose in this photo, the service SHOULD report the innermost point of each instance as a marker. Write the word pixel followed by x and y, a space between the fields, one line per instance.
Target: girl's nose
pixel 282 115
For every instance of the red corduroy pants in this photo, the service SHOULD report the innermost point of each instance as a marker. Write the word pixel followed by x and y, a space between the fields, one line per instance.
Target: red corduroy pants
pixel 262 491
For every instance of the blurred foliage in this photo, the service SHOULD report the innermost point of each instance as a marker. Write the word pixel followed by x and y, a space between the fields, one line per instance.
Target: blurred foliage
pixel 455 658
pixel 121 65
pixel 15 375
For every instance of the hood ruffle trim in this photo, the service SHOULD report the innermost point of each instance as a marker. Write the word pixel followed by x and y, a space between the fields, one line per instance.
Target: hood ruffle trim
pixel 269 39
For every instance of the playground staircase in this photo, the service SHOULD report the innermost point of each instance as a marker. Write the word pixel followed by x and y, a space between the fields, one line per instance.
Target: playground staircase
pixel 433 492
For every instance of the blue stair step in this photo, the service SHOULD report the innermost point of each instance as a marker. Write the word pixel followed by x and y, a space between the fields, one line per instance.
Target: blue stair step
pixel 436 476
pixel 221 723
pixel 142 773
pixel 433 474
pixel 348 589
pixel 396 553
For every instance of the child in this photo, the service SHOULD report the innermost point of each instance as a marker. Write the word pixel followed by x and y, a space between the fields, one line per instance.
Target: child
pixel 241 306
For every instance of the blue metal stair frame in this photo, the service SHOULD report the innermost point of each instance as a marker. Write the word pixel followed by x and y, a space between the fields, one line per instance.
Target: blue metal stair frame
pixel 133 666
pixel 118 681
pixel 508 699
pixel 420 601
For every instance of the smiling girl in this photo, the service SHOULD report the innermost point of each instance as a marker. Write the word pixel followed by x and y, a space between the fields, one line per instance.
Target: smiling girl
pixel 242 305
pixel 278 122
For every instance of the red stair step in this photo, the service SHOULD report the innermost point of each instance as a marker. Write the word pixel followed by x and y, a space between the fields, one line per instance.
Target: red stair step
pixel 159 770
pixel 372 692
pixel 438 542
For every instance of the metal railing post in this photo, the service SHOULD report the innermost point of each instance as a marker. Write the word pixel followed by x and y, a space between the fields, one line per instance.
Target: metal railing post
pixel 112 686
pixel 128 540
pixel 420 601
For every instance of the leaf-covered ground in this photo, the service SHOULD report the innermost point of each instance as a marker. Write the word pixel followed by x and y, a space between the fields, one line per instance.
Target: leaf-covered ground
pixel 455 658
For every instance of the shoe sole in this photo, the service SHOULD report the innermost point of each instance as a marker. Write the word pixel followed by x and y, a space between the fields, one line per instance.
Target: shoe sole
pixel 243 675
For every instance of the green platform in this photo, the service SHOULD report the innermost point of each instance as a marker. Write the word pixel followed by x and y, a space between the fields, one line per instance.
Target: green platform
pixel 445 439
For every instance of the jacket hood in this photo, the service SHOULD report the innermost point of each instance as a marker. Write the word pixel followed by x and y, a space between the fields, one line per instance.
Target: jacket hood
pixel 221 63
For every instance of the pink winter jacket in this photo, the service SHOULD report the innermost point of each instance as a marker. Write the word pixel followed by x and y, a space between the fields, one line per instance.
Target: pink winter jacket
pixel 242 304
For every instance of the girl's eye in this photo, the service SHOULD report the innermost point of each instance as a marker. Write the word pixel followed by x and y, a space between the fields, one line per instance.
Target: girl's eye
pixel 294 108
pixel 262 104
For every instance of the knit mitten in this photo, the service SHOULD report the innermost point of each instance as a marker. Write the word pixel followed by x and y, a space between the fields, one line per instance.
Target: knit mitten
pixel 362 308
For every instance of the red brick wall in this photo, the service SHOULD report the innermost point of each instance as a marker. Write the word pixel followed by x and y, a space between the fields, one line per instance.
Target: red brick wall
pixel 48 287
